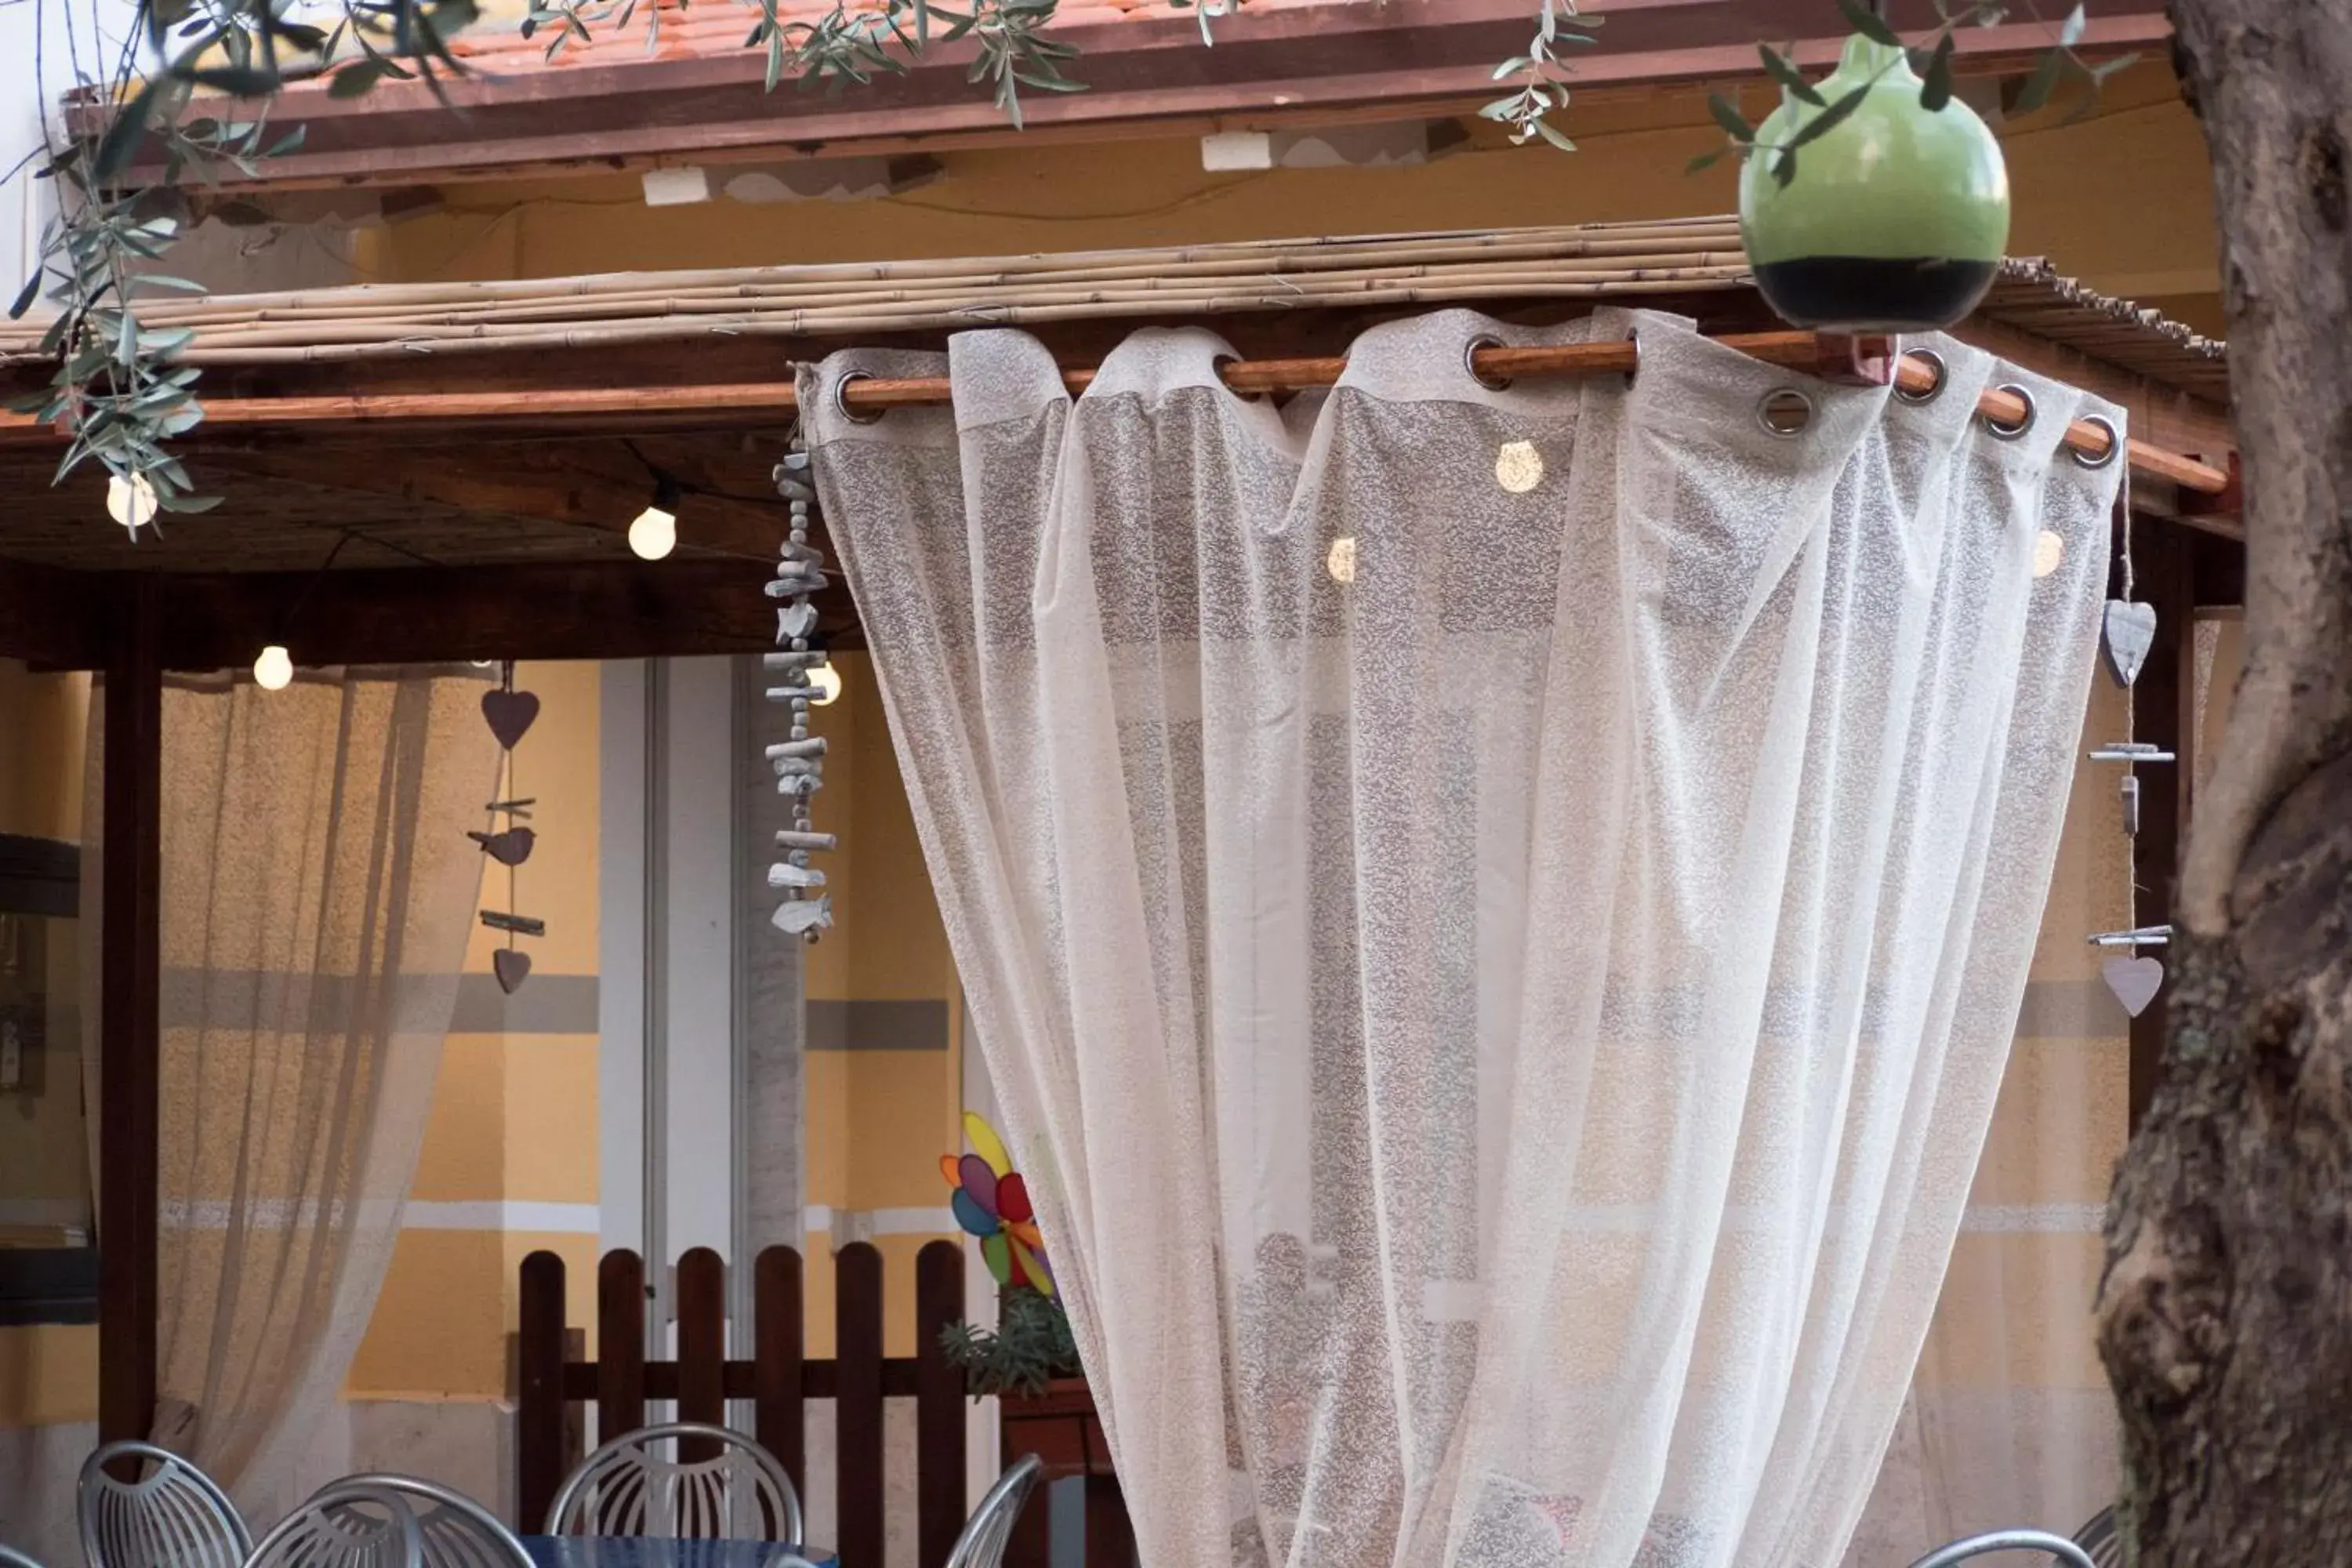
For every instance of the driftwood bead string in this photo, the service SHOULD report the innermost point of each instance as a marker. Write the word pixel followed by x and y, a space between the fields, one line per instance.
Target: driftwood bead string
pixel 799 761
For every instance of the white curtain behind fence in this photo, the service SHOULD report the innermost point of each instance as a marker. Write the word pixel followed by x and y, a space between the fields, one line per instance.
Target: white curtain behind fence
pixel 1496 915
pixel 318 892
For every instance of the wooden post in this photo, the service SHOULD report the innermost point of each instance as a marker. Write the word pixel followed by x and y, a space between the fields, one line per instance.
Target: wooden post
pixel 539 1425
pixel 858 1401
pixel 130 1024
pixel 780 1421
pixel 702 1348
pixel 939 1406
pixel 620 1344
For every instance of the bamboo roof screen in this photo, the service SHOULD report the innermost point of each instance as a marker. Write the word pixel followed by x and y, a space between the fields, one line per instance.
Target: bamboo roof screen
pixel 1594 262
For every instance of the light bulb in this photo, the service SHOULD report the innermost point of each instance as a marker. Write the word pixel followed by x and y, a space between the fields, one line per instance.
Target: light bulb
pixel 827 681
pixel 654 534
pixel 131 502
pixel 273 668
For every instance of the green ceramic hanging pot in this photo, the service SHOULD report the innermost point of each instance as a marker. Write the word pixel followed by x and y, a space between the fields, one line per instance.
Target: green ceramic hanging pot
pixel 1897 218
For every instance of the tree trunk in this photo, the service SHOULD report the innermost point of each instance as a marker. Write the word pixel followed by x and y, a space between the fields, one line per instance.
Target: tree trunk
pixel 2226 1309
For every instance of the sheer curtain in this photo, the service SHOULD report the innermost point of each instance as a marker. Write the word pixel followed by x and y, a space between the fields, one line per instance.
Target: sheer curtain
pixel 1496 914
pixel 2010 1420
pixel 318 890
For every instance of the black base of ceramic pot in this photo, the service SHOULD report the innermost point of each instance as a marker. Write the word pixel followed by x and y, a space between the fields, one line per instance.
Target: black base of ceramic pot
pixel 1870 294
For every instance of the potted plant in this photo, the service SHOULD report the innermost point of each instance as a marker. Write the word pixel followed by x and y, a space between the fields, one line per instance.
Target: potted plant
pixel 1029 1360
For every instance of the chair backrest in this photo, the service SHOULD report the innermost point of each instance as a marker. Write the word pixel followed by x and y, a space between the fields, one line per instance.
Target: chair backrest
pixel 345 1526
pixel 2103 1537
pixel 171 1515
pixel 990 1529
pixel 12 1558
pixel 628 1488
pixel 2061 1550
pixel 456 1531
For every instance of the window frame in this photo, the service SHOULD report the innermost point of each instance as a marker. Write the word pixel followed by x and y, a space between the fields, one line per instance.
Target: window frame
pixel 45 1284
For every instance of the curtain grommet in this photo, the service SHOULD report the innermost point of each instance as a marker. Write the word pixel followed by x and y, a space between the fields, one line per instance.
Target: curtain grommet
pixel 841 399
pixel 1470 363
pixel 2011 432
pixel 1784 411
pixel 2114 444
pixel 1936 363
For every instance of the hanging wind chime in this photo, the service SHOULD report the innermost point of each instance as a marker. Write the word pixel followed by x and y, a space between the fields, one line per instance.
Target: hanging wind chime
pixel 799 759
pixel 510 714
pixel 2127 633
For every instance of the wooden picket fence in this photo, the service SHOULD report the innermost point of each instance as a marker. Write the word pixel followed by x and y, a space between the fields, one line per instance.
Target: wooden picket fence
pixel 779 1379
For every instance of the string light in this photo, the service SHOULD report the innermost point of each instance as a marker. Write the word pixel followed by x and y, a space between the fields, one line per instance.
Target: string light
pixel 1340 560
pixel 133 501
pixel 273 668
pixel 654 534
pixel 826 681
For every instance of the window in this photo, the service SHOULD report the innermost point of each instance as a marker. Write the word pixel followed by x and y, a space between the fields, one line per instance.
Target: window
pixel 49 1264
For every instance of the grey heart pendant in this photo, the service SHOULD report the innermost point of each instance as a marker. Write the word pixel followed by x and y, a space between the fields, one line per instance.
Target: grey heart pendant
pixel 511 848
pixel 2130 632
pixel 2135 981
pixel 510 715
pixel 512 967
pixel 796 620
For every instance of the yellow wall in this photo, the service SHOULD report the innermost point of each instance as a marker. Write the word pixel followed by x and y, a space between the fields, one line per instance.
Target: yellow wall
pixel 514 1114
pixel 48 1373
pixel 878 1120
pixel 2121 199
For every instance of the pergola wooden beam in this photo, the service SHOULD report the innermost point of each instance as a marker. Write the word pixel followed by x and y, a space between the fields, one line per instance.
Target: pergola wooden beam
pixel 562 485
pixel 632 609
pixel 1145 77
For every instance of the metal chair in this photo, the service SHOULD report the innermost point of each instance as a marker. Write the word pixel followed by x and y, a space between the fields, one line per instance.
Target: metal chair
pixel 2061 1550
pixel 345 1526
pixel 454 1530
pixel 2103 1537
pixel 985 1536
pixel 172 1516
pixel 624 1488
pixel 12 1558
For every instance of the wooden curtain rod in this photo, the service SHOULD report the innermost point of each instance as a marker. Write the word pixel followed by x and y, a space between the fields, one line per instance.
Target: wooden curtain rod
pixel 1809 351
pixel 543 409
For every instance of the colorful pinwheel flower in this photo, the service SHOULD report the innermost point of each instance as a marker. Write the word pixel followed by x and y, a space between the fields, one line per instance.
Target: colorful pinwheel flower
pixel 992 1202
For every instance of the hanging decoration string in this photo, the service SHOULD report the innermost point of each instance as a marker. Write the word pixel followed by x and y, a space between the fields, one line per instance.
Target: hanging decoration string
pixel 799 759
pixel 2128 635
pixel 510 714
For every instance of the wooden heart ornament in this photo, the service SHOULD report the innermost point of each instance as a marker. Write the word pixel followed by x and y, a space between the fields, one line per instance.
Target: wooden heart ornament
pixel 512 967
pixel 2135 981
pixel 511 714
pixel 2129 633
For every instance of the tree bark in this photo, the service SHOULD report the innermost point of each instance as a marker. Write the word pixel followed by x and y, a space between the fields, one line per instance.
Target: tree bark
pixel 2226 1306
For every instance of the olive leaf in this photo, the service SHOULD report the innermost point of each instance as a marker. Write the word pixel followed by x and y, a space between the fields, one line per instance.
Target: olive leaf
pixel 1869 23
pixel 1778 68
pixel 1827 121
pixel 2035 93
pixel 1735 124
pixel 1935 81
